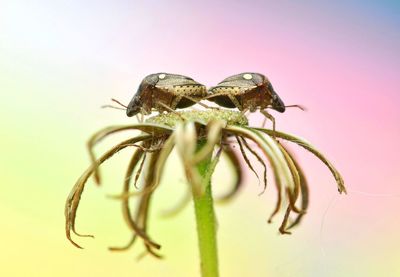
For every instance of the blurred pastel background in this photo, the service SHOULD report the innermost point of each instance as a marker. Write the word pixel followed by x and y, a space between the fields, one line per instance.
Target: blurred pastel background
pixel 61 60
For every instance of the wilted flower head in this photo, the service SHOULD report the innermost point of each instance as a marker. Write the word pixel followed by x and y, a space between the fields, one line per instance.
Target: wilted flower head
pixel 198 136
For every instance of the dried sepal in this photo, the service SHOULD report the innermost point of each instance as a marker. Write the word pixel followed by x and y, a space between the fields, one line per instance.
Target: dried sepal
pixel 272 152
pixel 142 211
pixel 125 247
pixel 237 169
pixel 160 162
pixel 282 228
pixel 246 159
pixel 296 180
pixel 186 140
pixel 211 168
pixel 292 197
pixel 126 212
pixel 260 160
pixel 178 207
pixel 149 128
pixel 158 170
pixel 131 223
pixel 74 197
pixel 214 132
pixel 196 140
pixel 282 167
pixel 140 216
pixel 139 169
pixel 304 192
pixel 303 143
pixel 150 182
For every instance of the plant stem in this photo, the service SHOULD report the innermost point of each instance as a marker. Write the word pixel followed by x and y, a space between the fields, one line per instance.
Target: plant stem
pixel 205 220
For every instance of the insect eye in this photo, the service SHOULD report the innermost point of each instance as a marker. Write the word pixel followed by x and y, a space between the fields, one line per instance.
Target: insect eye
pixel 247 76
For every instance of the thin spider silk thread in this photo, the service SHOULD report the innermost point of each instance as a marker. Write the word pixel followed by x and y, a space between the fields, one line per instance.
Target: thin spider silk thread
pixel 332 203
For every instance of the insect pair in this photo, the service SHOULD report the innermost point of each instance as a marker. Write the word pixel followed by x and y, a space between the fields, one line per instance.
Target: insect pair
pixel 168 92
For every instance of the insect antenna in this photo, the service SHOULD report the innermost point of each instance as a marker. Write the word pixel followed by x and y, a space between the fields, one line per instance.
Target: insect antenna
pixel 119 103
pixel 297 106
pixel 112 107
pixel 124 107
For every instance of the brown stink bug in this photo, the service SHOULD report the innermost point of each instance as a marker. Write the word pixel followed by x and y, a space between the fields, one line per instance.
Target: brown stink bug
pixel 165 92
pixel 247 92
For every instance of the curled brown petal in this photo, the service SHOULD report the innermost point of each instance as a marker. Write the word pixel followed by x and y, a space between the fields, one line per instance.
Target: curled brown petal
pixel 296 179
pixel 150 179
pixel 178 207
pixel 303 143
pixel 304 192
pixel 125 203
pixel 126 247
pixel 272 152
pixel 149 128
pixel 246 159
pixel 139 224
pixel 74 197
pixel 259 160
pixel 158 170
pixel 237 168
pixel 282 228
pixel 139 171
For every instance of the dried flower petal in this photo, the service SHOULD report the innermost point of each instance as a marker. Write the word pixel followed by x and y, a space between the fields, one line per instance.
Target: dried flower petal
pixel 187 130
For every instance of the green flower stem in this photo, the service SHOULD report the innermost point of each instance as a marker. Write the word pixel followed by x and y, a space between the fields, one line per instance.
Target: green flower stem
pixel 205 219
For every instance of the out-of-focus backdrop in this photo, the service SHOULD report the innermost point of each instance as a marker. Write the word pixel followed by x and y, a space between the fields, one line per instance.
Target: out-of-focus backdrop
pixel 61 60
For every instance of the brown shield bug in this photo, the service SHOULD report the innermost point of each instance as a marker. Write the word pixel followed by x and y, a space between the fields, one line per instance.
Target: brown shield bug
pixel 165 92
pixel 248 92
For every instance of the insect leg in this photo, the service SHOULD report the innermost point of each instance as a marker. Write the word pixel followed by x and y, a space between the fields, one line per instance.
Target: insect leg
pixel 175 102
pixel 235 102
pixel 171 110
pixel 142 113
pixel 244 111
pixel 230 96
pixel 264 122
pixel 197 101
pixel 270 117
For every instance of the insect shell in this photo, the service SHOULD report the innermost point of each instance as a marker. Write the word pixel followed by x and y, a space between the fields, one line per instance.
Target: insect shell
pixel 246 91
pixel 165 92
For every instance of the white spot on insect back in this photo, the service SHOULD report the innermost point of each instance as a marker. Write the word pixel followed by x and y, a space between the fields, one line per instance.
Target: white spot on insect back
pixel 161 76
pixel 247 76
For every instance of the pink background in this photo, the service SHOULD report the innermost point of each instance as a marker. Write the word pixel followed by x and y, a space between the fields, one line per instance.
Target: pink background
pixel 61 60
